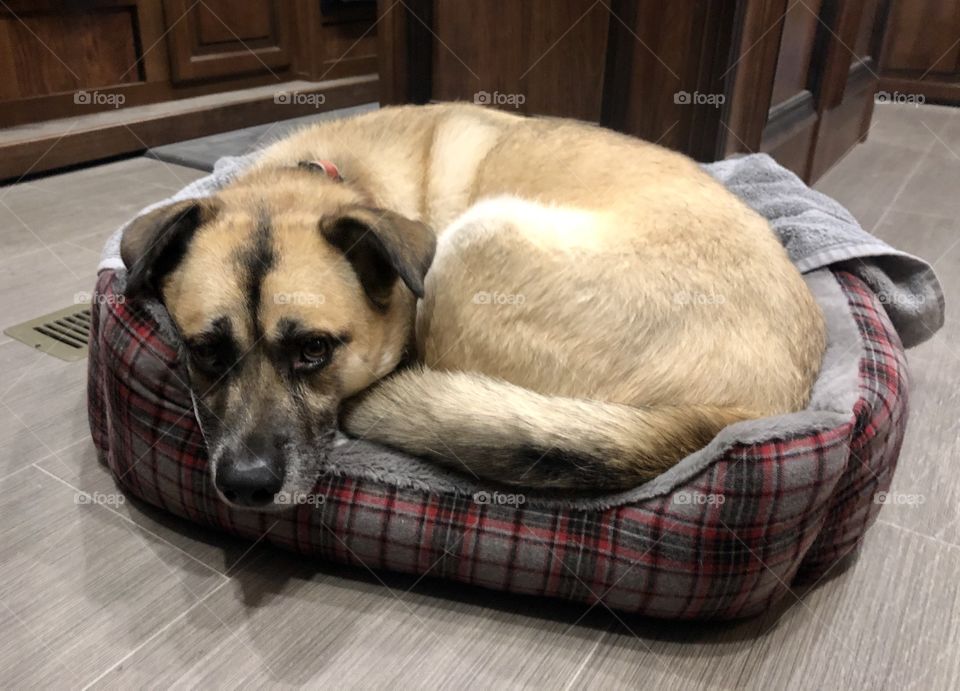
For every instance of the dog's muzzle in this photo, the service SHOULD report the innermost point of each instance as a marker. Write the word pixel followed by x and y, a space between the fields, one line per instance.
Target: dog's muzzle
pixel 252 474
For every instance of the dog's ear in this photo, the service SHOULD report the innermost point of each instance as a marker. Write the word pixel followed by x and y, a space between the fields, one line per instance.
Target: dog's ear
pixel 153 244
pixel 382 246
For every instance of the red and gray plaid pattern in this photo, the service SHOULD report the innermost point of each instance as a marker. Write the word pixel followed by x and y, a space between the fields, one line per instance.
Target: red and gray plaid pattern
pixel 790 506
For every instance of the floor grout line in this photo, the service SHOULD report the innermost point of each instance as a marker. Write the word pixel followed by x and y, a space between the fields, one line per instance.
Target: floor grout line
pixel 911 531
pixel 903 185
pixel 134 523
pixel 19 470
pixel 200 601
pixel 586 660
pixel 923 214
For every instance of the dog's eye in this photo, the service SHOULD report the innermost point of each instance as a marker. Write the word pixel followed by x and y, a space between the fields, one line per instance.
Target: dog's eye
pixel 315 352
pixel 206 355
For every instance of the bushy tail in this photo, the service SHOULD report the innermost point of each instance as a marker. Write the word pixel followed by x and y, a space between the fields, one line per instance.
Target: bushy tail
pixel 508 434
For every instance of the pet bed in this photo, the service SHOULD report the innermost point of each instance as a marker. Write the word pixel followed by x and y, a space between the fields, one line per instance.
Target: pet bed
pixel 722 534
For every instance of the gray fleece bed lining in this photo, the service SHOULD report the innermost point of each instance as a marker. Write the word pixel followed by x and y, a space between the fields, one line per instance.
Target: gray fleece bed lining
pixel 815 230
pixel 835 393
pixel 832 400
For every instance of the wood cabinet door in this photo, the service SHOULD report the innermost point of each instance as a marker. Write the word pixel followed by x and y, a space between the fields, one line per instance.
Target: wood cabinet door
pixel 792 118
pixel 218 38
pixel 923 37
pixel 921 51
pixel 813 73
pixel 849 41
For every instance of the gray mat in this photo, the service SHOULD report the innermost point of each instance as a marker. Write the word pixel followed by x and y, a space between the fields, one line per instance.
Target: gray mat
pixel 203 152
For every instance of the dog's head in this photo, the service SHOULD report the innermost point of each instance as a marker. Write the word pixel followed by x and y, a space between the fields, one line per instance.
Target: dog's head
pixel 290 294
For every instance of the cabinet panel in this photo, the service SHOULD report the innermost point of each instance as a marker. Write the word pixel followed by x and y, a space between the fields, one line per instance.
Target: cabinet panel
pixel 218 38
pixel 848 82
pixel 796 52
pixel 790 132
pixel 706 77
pixel 514 55
pixel 922 35
pixel 52 52
pixel 223 21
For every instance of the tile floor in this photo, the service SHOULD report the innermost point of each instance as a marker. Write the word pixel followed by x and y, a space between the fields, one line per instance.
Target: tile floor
pixel 123 596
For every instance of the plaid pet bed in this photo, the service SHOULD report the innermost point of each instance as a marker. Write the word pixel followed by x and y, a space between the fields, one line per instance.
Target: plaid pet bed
pixel 726 545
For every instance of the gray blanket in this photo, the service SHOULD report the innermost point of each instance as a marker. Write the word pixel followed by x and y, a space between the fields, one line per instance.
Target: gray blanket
pixel 816 231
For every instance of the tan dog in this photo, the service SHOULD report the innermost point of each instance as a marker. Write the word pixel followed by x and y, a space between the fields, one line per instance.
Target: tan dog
pixel 596 307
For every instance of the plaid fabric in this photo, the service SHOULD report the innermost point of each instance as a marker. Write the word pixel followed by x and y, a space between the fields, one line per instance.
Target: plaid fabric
pixel 726 545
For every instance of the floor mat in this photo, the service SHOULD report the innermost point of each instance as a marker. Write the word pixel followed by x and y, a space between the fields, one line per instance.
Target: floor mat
pixel 203 152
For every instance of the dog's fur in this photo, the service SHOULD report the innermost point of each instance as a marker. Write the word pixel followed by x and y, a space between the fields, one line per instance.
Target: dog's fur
pixel 596 307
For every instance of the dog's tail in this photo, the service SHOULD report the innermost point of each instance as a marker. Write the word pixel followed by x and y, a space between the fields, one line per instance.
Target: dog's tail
pixel 502 432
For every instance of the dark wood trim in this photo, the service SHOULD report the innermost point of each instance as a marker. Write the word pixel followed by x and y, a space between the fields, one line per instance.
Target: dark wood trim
pixel 791 131
pixel 306 29
pixel 754 53
pixel 707 133
pixel 162 124
pixel 310 31
pixel 786 118
pixel 391 54
pixel 25 7
pixel 619 63
pixel 404 51
pixel 634 76
pixel 152 71
pixel 861 72
pixel 831 58
pixel 25 110
pixel 934 90
pixel 191 61
pixel 344 14
pixel 840 128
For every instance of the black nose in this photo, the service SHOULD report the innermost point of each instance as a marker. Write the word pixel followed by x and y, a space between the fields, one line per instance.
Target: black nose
pixel 249 480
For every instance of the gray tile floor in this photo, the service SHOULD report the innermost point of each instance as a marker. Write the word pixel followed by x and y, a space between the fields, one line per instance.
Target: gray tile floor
pixel 122 596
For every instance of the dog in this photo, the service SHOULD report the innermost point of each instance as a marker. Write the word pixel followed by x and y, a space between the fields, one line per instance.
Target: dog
pixel 535 301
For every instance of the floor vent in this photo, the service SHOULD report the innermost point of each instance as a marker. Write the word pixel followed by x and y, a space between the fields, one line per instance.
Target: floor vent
pixel 63 334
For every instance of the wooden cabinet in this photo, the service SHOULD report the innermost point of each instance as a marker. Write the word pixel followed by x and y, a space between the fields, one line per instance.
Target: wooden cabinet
pixel 792 116
pixel 138 73
pixel 822 94
pixel 44 52
pixel 921 53
pixel 219 38
pixel 822 85
pixel 850 41
pixel 707 77
pixel 149 51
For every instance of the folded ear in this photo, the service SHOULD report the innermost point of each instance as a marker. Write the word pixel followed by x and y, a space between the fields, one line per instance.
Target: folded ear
pixel 155 243
pixel 382 246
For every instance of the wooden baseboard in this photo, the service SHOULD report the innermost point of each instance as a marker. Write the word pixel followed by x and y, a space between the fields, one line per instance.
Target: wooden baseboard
pixel 44 146
pixel 789 133
pixel 934 89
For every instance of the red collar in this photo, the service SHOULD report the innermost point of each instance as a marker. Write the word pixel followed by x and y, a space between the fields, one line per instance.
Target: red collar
pixel 329 168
